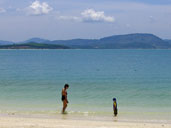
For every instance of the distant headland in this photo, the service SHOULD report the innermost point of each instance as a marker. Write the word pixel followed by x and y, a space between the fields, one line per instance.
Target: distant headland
pixel 128 41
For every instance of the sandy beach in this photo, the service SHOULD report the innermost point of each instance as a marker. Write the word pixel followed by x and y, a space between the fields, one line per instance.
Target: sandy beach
pixel 34 122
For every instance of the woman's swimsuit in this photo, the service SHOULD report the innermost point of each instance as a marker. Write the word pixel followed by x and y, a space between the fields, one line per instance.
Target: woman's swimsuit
pixel 63 97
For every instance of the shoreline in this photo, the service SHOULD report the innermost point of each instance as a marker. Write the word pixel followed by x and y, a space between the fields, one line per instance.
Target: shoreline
pixel 13 121
pixel 88 117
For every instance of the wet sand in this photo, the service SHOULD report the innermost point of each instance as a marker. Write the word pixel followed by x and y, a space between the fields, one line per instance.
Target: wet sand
pixel 37 122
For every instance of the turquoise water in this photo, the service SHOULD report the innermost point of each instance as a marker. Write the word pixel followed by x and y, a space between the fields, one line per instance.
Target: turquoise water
pixel 31 81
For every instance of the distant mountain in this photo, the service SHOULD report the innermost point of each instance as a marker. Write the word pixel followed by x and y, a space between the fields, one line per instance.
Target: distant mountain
pixel 2 42
pixel 37 40
pixel 133 41
pixel 169 41
pixel 128 41
pixel 33 46
pixel 75 43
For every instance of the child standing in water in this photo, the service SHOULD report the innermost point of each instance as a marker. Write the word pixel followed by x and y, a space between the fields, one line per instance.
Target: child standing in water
pixel 115 109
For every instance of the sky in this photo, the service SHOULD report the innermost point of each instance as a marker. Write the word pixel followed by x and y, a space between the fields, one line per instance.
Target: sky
pixel 87 19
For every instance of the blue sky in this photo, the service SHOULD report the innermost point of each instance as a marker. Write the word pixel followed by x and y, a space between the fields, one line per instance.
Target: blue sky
pixel 68 19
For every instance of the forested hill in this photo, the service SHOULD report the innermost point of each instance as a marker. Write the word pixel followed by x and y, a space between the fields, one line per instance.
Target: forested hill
pixel 129 41
pixel 33 46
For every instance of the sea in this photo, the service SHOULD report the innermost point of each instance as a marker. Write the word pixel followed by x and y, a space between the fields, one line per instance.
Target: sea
pixel 31 82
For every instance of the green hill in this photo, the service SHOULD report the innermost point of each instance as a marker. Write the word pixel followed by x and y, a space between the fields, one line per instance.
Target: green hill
pixel 33 46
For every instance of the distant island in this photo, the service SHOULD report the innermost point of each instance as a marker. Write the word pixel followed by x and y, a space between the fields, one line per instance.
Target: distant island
pixel 33 46
pixel 128 41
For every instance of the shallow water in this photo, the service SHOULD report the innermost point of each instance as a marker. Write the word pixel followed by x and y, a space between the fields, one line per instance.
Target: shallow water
pixel 31 82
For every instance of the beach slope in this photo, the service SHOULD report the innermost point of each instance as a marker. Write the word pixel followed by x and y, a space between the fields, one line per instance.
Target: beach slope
pixel 23 122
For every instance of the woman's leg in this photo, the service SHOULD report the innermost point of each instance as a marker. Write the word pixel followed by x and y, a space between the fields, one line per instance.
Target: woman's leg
pixel 64 106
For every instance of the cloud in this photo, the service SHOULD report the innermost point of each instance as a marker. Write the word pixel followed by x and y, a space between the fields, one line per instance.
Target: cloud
pixel 96 16
pixel 73 18
pixel 2 10
pixel 38 8
pixel 89 15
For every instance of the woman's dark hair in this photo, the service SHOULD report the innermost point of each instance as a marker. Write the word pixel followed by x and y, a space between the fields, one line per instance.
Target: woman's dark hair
pixel 66 85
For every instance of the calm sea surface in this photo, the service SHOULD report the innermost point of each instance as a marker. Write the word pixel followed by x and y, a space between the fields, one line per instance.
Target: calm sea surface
pixel 31 81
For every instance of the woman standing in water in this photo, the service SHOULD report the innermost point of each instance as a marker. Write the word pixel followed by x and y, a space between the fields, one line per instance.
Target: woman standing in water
pixel 64 97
